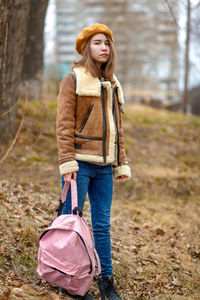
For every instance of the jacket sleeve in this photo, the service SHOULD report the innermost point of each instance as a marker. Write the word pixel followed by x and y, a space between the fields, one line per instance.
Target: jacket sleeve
pixel 65 126
pixel 123 168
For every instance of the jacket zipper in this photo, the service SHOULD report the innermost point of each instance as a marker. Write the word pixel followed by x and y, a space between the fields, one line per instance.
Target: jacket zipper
pixel 115 117
pixel 104 125
pixel 86 118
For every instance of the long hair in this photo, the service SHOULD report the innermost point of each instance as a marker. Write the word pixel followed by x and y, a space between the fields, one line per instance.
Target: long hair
pixel 107 68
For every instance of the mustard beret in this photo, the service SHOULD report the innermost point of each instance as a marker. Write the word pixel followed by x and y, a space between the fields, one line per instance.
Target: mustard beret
pixel 87 32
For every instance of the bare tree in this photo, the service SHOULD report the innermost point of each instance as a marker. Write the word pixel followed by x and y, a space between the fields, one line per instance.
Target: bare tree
pixel 21 55
pixel 33 57
pixel 187 63
pixel 191 29
pixel 13 30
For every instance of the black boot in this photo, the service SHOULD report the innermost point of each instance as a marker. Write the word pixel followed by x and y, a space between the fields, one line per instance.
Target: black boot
pixel 107 288
pixel 85 297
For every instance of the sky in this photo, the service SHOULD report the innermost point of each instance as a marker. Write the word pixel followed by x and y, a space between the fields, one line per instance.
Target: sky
pixel 49 33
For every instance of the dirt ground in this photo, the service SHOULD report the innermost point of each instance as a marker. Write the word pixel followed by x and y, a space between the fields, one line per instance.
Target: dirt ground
pixel 155 215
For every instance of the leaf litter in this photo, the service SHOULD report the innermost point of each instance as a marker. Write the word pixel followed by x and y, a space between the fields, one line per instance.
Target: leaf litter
pixel 155 215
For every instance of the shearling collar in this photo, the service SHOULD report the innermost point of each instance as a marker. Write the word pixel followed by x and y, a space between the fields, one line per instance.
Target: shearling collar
pixel 88 85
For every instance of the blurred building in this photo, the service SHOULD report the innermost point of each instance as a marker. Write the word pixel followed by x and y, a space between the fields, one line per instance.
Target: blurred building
pixel 146 42
pixel 66 16
pixel 71 17
pixel 146 38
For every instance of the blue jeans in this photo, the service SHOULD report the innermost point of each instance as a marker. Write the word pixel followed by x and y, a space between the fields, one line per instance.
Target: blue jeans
pixel 98 182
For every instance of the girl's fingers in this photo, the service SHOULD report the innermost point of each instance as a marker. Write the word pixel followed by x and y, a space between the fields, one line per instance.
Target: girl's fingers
pixel 67 177
pixel 121 177
pixel 75 175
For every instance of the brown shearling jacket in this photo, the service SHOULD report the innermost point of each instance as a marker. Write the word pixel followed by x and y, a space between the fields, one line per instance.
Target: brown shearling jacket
pixel 89 123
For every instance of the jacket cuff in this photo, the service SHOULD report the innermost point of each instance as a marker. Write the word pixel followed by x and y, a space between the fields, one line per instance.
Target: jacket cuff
pixel 68 167
pixel 122 170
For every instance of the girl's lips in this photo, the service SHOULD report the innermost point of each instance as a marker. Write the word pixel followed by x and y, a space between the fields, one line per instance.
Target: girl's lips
pixel 104 55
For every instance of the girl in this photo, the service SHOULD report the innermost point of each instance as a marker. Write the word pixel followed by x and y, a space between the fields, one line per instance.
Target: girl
pixel 90 138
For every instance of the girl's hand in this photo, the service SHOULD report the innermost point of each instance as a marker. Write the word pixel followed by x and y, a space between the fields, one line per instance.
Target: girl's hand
pixel 67 177
pixel 122 177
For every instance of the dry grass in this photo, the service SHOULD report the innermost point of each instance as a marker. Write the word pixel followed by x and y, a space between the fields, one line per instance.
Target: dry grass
pixel 155 217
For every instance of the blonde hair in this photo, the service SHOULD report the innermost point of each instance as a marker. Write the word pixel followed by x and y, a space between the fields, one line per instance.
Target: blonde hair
pixel 107 69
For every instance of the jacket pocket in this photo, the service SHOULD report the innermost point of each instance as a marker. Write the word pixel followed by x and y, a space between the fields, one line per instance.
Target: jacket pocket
pixel 86 118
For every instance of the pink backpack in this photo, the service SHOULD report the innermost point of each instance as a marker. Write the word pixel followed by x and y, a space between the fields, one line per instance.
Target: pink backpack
pixel 67 256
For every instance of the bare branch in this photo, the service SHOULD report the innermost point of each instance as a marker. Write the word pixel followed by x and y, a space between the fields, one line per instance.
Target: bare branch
pixel 20 126
pixel 172 12
pixel 6 112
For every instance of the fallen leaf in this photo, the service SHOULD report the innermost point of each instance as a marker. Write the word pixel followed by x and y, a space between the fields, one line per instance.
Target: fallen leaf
pixel 55 296
pixel 175 281
pixel 160 231
pixel 16 283
pixel 161 279
pixel 4 294
pixel 139 269
pixel 12 275
pixel 145 225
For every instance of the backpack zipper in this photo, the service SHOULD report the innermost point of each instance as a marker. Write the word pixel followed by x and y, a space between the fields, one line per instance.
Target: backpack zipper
pixel 87 252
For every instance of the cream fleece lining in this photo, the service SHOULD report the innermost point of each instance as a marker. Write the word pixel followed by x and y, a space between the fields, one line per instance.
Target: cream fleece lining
pixel 88 85
pixel 122 170
pixel 68 167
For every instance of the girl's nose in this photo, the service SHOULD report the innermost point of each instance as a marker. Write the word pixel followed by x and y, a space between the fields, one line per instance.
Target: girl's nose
pixel 104 47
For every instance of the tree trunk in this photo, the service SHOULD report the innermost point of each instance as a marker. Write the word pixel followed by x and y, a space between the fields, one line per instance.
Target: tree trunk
pixel 187 62
pixel 21 56
pixel 14 16
pixel 33 57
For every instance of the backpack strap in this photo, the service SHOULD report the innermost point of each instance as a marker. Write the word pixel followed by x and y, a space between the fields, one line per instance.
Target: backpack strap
pixel 73 193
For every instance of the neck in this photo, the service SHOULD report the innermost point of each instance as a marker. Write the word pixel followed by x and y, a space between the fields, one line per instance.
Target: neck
pixel 98 65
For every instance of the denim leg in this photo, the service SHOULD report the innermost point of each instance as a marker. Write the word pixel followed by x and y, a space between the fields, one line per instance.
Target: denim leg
pixel 100 193
pixel 82 188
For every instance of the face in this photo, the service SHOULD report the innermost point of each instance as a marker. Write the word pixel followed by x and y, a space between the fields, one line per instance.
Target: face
pixel 99 48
